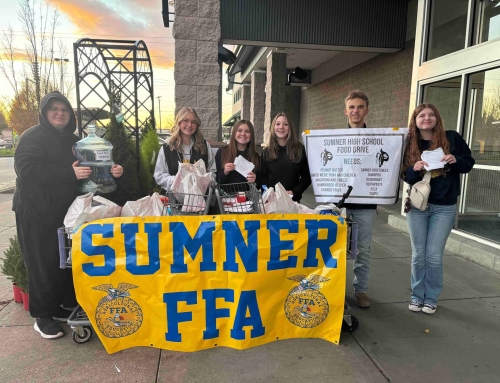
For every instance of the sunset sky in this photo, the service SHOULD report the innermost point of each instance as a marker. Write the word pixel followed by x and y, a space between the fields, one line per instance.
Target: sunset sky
pixel 110 19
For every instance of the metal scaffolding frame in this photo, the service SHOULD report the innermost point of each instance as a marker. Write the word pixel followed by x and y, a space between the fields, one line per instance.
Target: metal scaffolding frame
pixel 119 67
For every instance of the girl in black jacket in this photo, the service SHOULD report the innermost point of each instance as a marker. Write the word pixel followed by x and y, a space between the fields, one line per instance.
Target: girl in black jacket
pixel 242 143
pixel 284 159
pixel 429 229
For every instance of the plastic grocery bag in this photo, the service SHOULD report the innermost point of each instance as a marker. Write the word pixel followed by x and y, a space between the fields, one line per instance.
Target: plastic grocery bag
pixel 196 174
pixel 193 198
pixel 303 209
pixel 331 209
pixel 87 207
pixel 144 207
pixel 284 202
pixel 269 200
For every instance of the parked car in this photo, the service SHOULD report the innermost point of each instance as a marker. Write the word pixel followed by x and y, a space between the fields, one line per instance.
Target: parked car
pixel 163 137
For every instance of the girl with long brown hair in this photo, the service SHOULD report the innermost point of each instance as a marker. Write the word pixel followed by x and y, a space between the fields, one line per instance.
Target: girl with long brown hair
pixel 429 229
pixel 284 159
pixel 186 145
pixel 241 143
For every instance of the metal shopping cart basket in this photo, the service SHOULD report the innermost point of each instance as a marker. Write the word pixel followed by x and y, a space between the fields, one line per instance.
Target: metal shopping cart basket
pixel 78 320
pixel 188 204
pixel 239 198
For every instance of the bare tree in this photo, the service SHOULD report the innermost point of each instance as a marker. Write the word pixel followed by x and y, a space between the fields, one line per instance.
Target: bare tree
pixel 38 75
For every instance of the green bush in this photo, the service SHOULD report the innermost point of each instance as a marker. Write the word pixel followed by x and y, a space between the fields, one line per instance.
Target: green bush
pixel 13 265
pixel 128 187
pixel 149 148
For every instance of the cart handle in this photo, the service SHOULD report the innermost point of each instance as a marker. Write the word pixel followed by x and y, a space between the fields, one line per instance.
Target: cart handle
pixel 340 204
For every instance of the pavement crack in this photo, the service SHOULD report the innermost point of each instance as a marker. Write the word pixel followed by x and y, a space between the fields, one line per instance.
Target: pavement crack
pixel 158 367
pixel 374 361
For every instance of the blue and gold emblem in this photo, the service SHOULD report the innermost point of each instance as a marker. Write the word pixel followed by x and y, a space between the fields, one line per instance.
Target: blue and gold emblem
pixel 117 315
pixel 305 305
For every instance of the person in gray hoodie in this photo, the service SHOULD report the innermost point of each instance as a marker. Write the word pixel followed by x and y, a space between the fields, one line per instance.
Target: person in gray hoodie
pixel 46 185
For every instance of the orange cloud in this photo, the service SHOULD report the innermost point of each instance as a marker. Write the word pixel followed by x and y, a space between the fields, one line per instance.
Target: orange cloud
pixel 84 19
pixel 19 56
pixel 127 20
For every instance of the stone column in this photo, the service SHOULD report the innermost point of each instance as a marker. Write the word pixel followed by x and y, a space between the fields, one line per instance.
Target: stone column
pixel 197 73
pixel 258 104
pixel 275 87
pixel 246 98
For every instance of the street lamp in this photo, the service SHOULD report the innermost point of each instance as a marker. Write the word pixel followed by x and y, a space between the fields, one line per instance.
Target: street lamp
pixel 61 70
pixel 159 109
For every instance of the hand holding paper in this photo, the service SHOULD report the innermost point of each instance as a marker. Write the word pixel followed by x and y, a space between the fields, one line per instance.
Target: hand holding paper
pixel 243 166
pixel 433 159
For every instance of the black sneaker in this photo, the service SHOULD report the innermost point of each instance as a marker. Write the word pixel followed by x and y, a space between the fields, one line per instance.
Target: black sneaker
pixel 47 328
pixel 61 315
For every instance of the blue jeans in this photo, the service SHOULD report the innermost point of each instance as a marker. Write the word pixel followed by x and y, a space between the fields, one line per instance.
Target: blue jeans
pixel 361 265
pixel 429 231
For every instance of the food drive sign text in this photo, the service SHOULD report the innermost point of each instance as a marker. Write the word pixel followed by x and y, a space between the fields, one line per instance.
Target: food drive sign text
pixel 190 283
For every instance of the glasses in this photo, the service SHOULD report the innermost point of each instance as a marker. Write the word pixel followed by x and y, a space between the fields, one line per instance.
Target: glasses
pixel 57 110
pixel 190 122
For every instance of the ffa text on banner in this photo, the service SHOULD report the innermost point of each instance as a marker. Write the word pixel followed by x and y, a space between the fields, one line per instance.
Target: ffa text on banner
pixel 191 283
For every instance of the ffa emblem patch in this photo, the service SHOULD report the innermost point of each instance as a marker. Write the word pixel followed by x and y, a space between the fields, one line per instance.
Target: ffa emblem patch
pixel 305 305
pixel 117 315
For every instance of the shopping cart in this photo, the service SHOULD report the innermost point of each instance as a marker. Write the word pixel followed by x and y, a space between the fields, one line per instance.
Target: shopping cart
pixel 78 320
pixel 188 204
pixel 350 322
pixel 239 198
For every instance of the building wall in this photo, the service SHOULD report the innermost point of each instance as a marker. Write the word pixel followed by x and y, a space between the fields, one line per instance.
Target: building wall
pixel 292 104
pixel 386 79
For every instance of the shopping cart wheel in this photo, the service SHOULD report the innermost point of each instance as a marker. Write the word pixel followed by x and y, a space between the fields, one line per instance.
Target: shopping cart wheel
pixel 352 327
pixel 87 334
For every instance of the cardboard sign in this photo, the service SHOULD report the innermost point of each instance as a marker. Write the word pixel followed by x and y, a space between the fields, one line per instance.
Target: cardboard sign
pixel 369 160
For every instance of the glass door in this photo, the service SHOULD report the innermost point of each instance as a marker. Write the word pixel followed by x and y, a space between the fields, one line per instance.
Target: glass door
pixel 479 208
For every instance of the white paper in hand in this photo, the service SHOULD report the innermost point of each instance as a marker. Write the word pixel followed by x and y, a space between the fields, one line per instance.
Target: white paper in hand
pixel 242 166
pixel 433 159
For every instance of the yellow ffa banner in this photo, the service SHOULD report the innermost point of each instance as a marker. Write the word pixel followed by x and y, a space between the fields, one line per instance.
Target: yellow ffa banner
pixel 188 283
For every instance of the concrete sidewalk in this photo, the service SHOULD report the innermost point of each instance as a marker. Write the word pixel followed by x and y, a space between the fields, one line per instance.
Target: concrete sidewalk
pixel 462 345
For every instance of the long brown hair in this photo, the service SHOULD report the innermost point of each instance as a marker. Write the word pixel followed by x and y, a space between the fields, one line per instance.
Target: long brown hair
pixel 230 151
pixel 176 139
pixel 413 151
pixel 293 146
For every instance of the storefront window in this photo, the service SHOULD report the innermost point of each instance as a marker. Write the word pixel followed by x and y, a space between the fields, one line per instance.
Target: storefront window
pixel 488 20
pixel 480 203
pixel 445 95
pixel 447 27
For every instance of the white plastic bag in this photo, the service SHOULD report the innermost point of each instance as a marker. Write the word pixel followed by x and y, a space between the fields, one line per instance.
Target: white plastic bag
pixel 284 202
pixel 331 209
pixel 303 209
pixel 196 173
pixel 193 198
pixel 269 200
pixel 149 206
pixel 87 207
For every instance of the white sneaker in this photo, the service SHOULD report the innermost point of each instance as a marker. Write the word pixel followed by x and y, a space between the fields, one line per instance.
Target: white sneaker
pixel 429 309
pixel 415 306
pixel 47 328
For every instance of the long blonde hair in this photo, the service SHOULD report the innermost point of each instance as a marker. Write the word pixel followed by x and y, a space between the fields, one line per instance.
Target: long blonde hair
pixel 293 146
pixel 176 139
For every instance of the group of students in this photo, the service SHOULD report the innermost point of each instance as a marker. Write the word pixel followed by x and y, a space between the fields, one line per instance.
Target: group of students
pixel 284 160
pixel 48 176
